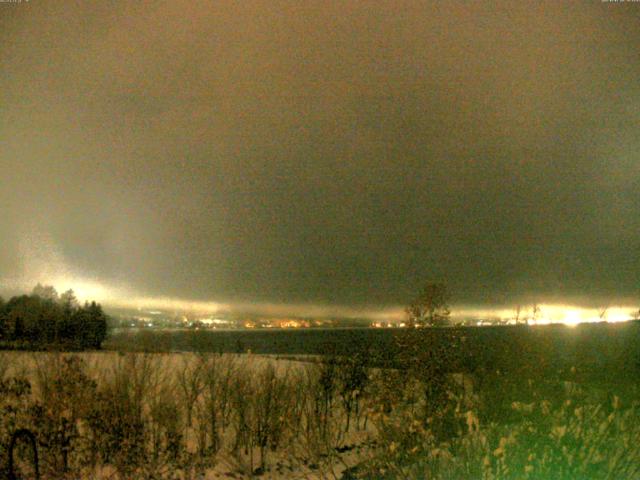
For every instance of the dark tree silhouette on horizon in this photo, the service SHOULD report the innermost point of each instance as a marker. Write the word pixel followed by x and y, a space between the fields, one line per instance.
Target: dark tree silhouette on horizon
pixel 430 308
pixel 50 319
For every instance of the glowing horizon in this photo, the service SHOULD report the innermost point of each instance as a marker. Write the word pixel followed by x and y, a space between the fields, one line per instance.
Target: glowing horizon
pixel 123 297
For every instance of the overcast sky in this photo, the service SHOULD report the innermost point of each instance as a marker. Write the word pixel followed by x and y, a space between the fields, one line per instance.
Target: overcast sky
pixel 331 153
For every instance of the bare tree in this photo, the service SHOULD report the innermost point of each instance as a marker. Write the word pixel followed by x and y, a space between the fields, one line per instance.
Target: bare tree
pixel 190 382
pixel 517 315
pixel 431 307
pixel 602 313
pixel 535 313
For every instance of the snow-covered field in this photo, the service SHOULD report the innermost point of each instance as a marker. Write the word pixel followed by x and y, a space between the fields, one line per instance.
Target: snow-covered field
pixel 184 415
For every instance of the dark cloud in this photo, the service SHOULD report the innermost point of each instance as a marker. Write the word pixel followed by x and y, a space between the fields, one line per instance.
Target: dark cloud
pixel 323 152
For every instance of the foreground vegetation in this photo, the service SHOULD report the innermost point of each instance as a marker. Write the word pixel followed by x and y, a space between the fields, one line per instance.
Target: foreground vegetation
pixel 190 415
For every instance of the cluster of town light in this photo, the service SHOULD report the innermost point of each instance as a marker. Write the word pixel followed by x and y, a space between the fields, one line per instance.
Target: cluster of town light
pixel 543 314
pixel 572 316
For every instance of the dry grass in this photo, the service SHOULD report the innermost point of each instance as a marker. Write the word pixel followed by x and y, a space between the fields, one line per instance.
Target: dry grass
pixel 198 416
pixel 176 415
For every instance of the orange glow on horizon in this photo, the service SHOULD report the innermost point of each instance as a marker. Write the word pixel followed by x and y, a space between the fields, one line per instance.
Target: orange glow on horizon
pixel 122 297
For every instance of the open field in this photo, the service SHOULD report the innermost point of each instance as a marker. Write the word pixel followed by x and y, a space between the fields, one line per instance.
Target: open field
pixel 603 351
pixel 529 404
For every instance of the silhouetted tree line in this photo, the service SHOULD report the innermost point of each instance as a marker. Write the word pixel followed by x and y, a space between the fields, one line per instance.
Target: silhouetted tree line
pixel 45 318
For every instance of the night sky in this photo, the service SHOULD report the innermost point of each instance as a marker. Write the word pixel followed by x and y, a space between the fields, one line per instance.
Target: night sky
pixel 322 153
